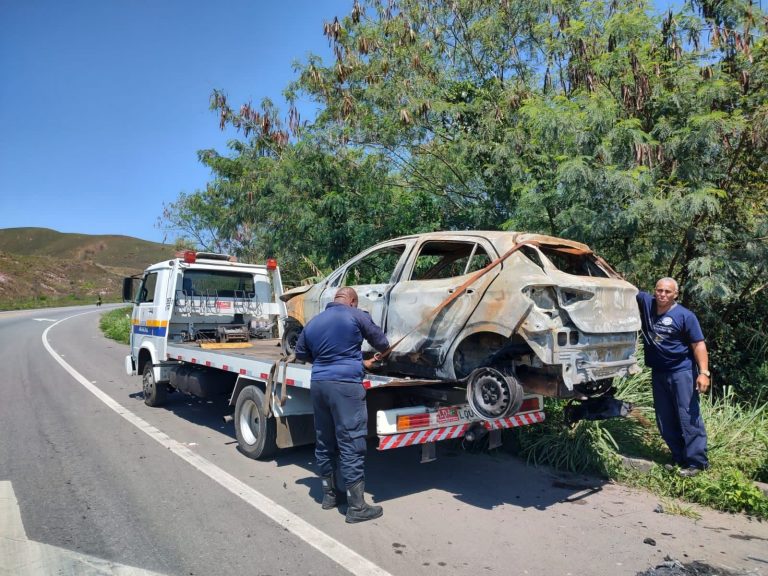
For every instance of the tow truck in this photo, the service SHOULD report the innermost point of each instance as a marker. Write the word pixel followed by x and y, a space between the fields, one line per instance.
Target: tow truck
pixel 207 325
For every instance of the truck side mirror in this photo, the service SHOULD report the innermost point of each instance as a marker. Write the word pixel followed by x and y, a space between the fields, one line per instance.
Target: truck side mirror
pixel 128 284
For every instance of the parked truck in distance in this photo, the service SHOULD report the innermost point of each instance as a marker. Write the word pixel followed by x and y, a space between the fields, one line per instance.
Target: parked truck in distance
pixel 206 325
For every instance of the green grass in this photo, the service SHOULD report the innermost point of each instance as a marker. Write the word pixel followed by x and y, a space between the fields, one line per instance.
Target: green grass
pixel 116 324
pixel 738 449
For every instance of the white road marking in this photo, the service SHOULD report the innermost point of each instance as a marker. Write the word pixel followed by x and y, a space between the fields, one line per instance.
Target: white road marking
pixel 44 320
pixel 332 548
pixel 20 556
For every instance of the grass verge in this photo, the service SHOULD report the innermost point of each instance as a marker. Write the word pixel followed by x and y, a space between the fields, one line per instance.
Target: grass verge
pixel 738 449
pixel 116 324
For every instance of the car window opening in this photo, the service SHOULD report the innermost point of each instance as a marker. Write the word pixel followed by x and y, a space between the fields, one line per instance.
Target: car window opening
pixel 576 263
pixel 376 268
pixel 441 260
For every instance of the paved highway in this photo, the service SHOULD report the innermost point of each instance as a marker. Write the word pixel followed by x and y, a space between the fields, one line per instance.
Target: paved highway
pixel 92 481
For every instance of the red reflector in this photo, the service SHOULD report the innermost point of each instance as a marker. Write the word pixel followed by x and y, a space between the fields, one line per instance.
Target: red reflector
pixel 264 375
pixel 189 257
pixel 529 405
pixel 271 264
pixel 409 421
pixel 242 371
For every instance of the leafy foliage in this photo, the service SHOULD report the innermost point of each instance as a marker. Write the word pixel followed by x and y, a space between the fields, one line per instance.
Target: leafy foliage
pixel 642 135
pixel 116 324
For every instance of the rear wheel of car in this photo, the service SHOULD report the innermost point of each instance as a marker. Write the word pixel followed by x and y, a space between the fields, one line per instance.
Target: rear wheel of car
pixel 493 395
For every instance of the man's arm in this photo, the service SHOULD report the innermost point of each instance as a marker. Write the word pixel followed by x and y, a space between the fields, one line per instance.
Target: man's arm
pixel 302 352
pixel 701 356
pixel 373 334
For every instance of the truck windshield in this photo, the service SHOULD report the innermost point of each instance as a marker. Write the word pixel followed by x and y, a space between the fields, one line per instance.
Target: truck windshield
pixel 223 284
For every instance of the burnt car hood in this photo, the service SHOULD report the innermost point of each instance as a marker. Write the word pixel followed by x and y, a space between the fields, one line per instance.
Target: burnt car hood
pixel 288 294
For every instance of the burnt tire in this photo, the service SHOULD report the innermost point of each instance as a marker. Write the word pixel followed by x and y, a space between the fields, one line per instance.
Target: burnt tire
pixel 291 337
pixel 155 393
pixel 256 434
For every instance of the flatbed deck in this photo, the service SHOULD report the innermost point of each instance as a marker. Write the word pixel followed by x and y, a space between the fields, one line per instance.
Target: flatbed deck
pixel 257 360
pixel 263 349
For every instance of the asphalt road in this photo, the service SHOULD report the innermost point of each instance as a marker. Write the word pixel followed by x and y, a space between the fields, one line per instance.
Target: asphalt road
pixel 92 481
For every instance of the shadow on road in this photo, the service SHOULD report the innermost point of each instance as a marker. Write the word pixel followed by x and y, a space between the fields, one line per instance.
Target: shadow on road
pixel 485 480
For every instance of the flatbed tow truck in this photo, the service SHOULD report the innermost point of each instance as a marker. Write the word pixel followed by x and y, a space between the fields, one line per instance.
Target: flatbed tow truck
pixel 206 325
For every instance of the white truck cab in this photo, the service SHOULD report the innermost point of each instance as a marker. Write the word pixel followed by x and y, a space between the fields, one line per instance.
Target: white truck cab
pixel 200 297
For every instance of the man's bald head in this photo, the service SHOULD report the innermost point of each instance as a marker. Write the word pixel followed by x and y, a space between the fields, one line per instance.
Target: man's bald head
pixel 346 295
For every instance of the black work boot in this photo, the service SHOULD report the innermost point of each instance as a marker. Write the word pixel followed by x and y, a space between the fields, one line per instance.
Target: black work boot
pixel 330 495
pixel 358 510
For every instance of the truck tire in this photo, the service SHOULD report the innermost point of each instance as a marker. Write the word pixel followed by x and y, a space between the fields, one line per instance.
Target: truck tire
pixel 256 434
pixel 155 393
pixel 291 337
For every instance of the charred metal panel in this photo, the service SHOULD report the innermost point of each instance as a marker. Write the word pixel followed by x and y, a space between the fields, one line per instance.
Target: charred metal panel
pixel 601 305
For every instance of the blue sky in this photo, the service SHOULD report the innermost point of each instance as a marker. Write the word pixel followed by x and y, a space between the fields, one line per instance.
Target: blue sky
pixel 104 103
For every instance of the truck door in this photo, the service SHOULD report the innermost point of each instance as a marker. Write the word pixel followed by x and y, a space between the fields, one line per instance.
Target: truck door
pixel 147 310
pixel 437 269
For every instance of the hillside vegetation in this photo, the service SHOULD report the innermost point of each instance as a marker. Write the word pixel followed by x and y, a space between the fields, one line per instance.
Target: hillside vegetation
pixel 42 267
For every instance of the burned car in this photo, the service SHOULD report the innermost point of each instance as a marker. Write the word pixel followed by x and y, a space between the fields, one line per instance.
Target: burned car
pixel 501 312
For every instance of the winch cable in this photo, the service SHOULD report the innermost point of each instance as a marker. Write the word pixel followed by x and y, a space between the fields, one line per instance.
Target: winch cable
pixel 456 293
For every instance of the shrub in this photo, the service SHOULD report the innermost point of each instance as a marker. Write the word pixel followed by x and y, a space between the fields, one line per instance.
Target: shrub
pixel 738 448
pixel 116 324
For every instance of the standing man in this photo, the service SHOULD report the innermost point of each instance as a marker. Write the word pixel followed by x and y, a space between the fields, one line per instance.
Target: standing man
pixel 677 355
pixel 332 341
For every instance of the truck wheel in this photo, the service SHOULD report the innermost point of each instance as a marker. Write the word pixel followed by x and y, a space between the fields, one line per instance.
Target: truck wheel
pixel 291 337
pixel 154 393
pixel 255 432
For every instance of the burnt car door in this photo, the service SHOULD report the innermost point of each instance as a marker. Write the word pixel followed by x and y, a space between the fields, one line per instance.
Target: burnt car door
pixel 372 274
pixel 437 269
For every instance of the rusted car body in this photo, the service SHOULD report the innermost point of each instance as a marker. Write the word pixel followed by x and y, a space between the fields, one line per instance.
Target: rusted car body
pixel 544 311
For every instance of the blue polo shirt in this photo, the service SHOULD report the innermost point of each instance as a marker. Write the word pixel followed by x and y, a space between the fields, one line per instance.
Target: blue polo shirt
pixel 332 341
pixel 667 337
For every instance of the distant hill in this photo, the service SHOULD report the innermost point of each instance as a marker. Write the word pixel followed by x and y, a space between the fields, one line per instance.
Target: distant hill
pixel 40 267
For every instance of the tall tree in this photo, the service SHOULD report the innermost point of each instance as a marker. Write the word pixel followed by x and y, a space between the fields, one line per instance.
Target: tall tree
pixel 644 135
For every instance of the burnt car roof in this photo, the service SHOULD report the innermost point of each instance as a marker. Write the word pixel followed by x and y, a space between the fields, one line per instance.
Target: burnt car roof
pixel 505 239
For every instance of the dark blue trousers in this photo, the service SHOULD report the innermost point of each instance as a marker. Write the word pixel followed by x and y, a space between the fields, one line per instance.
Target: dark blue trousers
pixel 678 417
pixel 341 427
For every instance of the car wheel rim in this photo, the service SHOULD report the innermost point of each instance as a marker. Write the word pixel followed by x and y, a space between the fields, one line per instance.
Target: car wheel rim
pixel 488 394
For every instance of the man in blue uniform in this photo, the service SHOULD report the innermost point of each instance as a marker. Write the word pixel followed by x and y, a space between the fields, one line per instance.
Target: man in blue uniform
pixel 675 351
pixel 332 341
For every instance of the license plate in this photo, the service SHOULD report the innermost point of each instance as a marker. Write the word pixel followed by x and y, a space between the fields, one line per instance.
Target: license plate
pixel 446 415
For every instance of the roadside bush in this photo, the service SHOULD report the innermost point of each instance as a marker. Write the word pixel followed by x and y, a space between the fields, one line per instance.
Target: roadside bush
pixel 116 324
pixel 737 433
pixel 738 448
